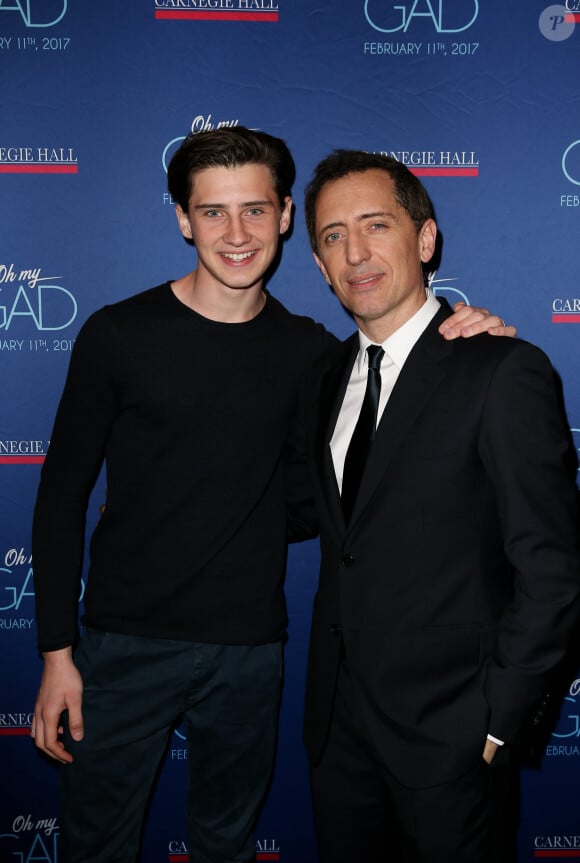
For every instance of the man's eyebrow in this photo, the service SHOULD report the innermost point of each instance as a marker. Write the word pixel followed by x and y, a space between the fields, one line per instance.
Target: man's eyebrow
pixel 382 214
pixel 327 227
pixel 218 206
pixel 361 218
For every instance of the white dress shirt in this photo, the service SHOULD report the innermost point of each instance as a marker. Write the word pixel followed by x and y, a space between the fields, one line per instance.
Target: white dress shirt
pixel 397 348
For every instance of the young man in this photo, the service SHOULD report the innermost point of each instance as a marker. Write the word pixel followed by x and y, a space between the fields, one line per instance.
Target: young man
pixel 188 392
pixel 450 566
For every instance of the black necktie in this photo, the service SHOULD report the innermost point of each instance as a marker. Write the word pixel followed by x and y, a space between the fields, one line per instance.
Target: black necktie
pixel 364 432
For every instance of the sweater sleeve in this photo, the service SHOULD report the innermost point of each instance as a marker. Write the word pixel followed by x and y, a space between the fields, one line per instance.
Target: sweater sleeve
pixel 75 454
pixel 302 516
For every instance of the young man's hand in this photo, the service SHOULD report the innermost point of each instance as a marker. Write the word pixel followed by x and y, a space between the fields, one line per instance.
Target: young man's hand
pixel 468 321
pixel 61 688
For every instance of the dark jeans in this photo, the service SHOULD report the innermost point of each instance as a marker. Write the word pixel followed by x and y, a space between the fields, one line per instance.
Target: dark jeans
pixel 135 691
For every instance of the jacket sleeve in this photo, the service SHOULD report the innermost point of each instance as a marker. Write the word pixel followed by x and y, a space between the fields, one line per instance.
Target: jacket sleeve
pixel 526 448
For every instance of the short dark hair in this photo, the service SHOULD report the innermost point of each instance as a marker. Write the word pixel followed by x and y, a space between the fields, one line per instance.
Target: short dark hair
pixel 228 148
pixel 409 191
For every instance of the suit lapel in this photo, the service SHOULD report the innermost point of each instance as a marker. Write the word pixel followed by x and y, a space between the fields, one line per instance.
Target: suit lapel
pixel 423 372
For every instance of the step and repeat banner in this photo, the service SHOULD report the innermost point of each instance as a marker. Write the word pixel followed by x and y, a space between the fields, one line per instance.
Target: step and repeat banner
pixel 480 98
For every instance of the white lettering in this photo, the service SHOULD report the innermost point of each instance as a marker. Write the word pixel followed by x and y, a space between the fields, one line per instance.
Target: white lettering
pixel 566 305
pixel 379 18
pixel 15 556
pixel 9 623
pixel 27 10
pixel 565 169
pixel 15 720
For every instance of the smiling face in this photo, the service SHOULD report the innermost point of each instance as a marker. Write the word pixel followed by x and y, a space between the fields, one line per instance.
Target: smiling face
pixel 370 251
pixel 235 220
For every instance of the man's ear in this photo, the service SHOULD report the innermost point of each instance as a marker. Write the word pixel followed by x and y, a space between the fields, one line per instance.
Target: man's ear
pixel 183 222
pixel 322 268
pixel 427 239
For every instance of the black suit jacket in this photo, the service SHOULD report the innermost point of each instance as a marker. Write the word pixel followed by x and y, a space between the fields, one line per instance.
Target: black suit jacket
pixel 453 587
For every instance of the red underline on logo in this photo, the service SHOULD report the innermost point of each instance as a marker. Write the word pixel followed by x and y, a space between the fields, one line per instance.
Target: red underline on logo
pixel 557 852
pixel 566 319
pixel 444 172
pixel 572 18
pixel 14 732
pixel 38 169
pixel 184 858
pixel 190 14
pixel 22 459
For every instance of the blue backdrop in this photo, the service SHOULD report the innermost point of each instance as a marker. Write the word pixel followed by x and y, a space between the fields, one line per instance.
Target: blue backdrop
pixel 479 97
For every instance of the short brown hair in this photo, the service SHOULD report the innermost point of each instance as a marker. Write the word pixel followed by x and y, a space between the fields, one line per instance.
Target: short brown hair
pixel 228 148
pixel 409 191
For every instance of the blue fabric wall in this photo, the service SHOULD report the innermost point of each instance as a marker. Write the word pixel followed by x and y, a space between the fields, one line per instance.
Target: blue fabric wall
pixel 479 97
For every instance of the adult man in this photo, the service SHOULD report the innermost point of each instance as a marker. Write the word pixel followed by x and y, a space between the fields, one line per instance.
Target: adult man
pixel 188 391
pixel 450 565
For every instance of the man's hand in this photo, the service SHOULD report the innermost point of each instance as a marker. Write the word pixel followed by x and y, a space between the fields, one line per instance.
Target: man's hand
pixel 471 320
pixel 489 750
pixel 61 688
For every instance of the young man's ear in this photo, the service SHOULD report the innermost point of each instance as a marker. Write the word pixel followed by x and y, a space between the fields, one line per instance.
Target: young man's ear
pixel 183 222
pixel 286 215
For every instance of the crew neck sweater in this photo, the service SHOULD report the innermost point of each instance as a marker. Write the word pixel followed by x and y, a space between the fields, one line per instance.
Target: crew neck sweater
pixel 192 418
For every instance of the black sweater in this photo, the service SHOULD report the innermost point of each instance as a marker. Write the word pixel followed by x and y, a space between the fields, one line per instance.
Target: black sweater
pixel 192 417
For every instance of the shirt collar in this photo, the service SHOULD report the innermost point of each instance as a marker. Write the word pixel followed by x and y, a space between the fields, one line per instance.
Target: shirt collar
pixel 399 344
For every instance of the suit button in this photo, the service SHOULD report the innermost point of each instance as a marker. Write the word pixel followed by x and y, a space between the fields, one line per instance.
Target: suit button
pixel 334 629
pixel 347 559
